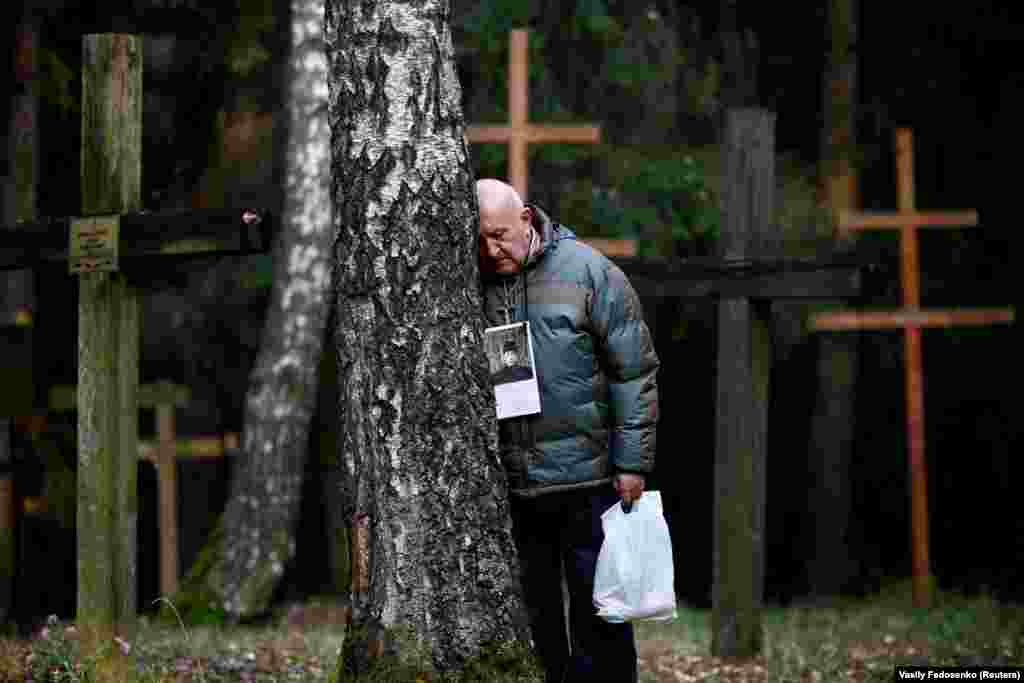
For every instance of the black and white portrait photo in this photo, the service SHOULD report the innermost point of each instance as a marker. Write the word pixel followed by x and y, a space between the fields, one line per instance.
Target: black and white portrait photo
pixel 510 356
pixel 508 352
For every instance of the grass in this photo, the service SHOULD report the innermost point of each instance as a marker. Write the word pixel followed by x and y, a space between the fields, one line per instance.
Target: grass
pixel 842 641
pixel 166 651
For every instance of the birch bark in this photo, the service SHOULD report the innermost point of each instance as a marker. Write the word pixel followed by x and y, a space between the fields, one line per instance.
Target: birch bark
pixel 433 559
pixel 247 554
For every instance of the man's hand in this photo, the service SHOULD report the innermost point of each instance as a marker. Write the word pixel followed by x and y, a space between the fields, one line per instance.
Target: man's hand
pixel 629 486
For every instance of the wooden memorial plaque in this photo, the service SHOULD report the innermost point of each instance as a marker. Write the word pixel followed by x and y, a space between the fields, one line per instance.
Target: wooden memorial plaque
pixel 94 243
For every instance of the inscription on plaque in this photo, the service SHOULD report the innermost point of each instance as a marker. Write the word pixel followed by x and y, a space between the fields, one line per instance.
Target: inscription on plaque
pixel 94 243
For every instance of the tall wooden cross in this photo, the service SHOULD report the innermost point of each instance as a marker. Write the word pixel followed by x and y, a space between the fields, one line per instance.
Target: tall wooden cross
pixel 750 273
pixel 113 250
pixel 519 133
pixel 911 318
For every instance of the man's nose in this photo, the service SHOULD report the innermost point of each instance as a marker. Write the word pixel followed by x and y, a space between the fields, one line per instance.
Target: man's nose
pixel 492 250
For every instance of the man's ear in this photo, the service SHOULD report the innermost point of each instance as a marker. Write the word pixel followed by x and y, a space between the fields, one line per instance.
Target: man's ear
pixel 527 215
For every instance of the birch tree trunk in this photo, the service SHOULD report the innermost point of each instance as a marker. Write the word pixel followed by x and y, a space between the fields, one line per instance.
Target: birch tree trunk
pixel 433 561
pixel 246 555
pixel 740 59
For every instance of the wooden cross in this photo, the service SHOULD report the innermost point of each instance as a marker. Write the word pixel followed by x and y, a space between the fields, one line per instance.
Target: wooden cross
pixel 519 133
pixel 749 274
pixel 912 318
pixel 164 455
pixel 163 397
pixel 113 249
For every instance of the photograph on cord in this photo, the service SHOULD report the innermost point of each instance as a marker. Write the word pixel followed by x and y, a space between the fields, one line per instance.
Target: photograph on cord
pixel 509 352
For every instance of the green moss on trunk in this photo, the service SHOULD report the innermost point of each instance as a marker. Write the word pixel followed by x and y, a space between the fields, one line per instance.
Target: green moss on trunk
pixel 198 601
pixel 194 602
pixel 373 654
pixel 259 585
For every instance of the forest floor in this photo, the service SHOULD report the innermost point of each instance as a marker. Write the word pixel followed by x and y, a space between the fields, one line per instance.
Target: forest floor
pixel 843 641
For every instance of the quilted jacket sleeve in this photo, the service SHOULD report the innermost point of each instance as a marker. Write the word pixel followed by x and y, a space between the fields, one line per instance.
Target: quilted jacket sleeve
pixel 629 359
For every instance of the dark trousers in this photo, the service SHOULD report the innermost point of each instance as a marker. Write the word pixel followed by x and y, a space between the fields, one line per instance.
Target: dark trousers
pixel 563 530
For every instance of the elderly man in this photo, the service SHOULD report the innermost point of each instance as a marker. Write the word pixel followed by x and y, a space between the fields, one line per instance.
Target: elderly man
pixel 594 439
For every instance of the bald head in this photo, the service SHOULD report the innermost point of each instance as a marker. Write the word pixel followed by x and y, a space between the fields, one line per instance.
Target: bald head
pixel 494 195
pixel 504 227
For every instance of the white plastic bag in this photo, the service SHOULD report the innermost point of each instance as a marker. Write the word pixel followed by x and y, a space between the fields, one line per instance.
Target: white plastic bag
pixel 634 580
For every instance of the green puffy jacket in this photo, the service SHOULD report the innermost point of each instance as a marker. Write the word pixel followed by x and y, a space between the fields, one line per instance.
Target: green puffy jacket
pixel 596 367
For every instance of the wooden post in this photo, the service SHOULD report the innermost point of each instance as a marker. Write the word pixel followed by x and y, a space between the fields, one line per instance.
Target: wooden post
pixel 167 478
pixel 165 397
pixel 109 312
pixel 911 319
pixel 108 348
pixel 744 364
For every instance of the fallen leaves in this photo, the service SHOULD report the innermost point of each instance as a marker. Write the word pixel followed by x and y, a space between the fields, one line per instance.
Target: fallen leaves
pixel 668 666
pixel 661 662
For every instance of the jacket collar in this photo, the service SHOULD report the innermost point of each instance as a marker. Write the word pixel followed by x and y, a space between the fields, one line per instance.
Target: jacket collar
pixel 548 231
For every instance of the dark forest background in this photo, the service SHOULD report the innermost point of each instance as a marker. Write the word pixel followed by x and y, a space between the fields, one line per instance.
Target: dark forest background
pixel 653 75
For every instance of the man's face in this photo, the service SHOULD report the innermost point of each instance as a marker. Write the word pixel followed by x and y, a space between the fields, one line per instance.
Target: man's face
pixel 504 239
pixel 509 358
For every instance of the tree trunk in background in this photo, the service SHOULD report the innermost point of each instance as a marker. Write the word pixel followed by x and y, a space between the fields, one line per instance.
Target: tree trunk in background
pixel 433 561
pixel 740 60
pixel 17 297
pixel 246 555
pixel 830 568
pixel 838 173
